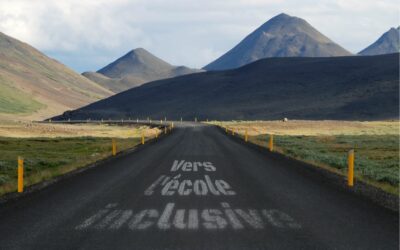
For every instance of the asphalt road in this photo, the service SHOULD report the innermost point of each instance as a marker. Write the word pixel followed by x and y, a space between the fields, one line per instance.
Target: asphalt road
pixel 195 189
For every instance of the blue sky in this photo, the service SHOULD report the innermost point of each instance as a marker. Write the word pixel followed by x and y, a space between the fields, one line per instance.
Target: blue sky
pixel 88 34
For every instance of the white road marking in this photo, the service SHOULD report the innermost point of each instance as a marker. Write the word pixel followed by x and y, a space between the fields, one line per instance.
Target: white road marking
pixel 92 219
pixel 150 190
pixel 125 216
pixel 108 219
pixel 213 219
pixel 163 222
pixel 235 222
pixel 280 219
pixel 192 221
pixel 252 217
pixel 138 221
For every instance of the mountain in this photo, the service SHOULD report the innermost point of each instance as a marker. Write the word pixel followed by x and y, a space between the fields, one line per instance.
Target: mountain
pixel 34 86
pixel 281 36
pixel 386 44
pixel 135 68
pixel 351 88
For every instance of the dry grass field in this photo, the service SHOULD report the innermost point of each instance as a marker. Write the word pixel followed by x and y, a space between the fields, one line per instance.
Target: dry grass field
pixel 51 150
pixel 326 143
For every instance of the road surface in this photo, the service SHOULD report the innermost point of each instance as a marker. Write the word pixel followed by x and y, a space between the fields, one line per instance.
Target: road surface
pixel 195 189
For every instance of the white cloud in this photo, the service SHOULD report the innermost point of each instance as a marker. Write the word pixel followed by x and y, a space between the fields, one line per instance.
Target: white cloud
pixel 87 34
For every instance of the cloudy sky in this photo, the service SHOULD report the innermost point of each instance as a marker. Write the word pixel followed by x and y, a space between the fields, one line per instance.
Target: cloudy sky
pixel 88 34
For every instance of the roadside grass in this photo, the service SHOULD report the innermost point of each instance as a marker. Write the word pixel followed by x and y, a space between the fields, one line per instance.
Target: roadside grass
pixel 376 146
pixel 48 157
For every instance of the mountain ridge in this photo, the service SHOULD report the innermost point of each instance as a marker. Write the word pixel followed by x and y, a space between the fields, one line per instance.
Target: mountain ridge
pixel 135 68
pixel 281 36
pixel 387 43
pixel 338 88
pixel 34 86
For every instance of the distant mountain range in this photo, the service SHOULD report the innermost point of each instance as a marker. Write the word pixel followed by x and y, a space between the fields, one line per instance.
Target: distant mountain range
pixel 351 87
pixel 34 86
pixel 134 69
pixel 386 44
pixel 281 36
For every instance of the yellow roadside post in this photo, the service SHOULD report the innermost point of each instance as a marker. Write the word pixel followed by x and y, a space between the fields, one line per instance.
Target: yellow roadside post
pixel 114 147
pixel 142 138
pixel 161 121
pixel 226 129
pixel 172 125
pixel 165 130
pixel 271 143
pixel 20 174
pixel 156 134
pixel 245 136
pixel 350 163
pixel 233 131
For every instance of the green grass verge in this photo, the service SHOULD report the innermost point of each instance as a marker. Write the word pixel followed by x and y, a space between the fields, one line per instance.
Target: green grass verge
pixel 376 156
pixel 45 158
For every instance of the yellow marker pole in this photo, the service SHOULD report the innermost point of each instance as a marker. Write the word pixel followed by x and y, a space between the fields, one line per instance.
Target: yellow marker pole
pixel 246 137
pixel 161 121
pixel 226 129
pixel 350 163
pixel 233 131
pixel 172 125
pixel 114 147
pixel 156 134
pixel 271 143
pixel 165 130
pixel 20 174
pixel 142 138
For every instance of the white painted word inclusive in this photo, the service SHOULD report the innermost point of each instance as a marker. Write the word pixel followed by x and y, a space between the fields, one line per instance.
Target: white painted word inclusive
pixel 169 186
pixel 221 218
pixel 187 166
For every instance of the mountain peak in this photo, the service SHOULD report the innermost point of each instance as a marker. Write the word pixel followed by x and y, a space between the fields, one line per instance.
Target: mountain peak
pixel 136 67
pixel 281 36
pixel 135 61
pixel 386 44
pixel 281 16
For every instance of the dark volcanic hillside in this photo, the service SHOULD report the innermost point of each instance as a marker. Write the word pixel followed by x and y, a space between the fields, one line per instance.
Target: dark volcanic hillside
pixel 281 36
pixel 350 87
pixel 135 68
pixel 386 44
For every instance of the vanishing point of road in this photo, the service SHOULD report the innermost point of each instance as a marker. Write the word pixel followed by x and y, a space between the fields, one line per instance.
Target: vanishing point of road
pixel 195 189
